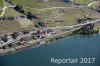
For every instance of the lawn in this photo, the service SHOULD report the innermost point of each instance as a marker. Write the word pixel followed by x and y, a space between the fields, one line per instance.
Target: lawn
pixel 1 3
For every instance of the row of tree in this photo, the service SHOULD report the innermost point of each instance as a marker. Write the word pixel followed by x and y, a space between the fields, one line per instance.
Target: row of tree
pixel 86 30
pixel 83 20
pixel 20 9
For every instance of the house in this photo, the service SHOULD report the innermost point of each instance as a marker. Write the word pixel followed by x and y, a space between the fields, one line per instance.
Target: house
pixel 23 41
pixel 7 18
pixel 98 9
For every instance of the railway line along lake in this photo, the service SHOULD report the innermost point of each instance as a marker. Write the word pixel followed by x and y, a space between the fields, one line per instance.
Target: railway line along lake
pixel 68 48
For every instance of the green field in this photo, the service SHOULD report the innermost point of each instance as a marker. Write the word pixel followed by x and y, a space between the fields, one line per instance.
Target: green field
pixel 1 3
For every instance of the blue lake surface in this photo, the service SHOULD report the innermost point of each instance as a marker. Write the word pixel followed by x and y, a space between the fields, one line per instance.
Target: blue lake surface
pixel 70 47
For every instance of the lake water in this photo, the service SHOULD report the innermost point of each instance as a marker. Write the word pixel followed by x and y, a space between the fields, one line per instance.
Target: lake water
pixel 71 47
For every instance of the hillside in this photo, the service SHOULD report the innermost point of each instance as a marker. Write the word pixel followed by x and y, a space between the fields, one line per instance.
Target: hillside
pixel 1 3
pixel 51 13
pixel 40 3
pixel 8 26
pixel 50 3
pixel 84 1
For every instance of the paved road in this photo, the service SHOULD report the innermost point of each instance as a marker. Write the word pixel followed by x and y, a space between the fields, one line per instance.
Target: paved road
pixel 57 27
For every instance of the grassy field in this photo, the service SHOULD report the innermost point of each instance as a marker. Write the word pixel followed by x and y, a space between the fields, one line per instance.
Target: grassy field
pixel 69 16
pixel 7 26
pixel 11 12
pixel 70 19
pixel 0 11
pixel 49 3
pixel 7 4
pixel 1 3
pixel 42 4
pixel 30 3
pixel 84 1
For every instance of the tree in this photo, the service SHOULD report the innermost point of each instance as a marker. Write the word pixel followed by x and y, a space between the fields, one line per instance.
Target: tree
pixel 25 32
pixel 18 8
pixel 29 15
pixel 10 45
pixel 86 30
pixel 4 47
pixel 5 39
pixel 14 35
pixel 66 1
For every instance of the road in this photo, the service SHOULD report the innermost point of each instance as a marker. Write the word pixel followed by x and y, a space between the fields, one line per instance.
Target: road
pixel 4 8
pixel 93 3
pixel 57 27
pixel 64 27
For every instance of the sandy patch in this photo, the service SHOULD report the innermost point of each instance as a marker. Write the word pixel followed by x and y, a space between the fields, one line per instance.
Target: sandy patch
pixel 25 22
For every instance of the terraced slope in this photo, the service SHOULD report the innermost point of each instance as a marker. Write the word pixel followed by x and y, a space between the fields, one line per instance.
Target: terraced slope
pixel 40 3
pixel 7 26
pixel 52 16
pixel 67 15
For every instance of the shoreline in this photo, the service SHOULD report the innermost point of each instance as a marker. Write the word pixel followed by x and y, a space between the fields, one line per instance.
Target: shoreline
pixel 34 45
pixel 39 42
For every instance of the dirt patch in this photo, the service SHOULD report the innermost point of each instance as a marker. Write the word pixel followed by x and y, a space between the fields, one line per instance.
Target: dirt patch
pixel 97 24
pixel 25 23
